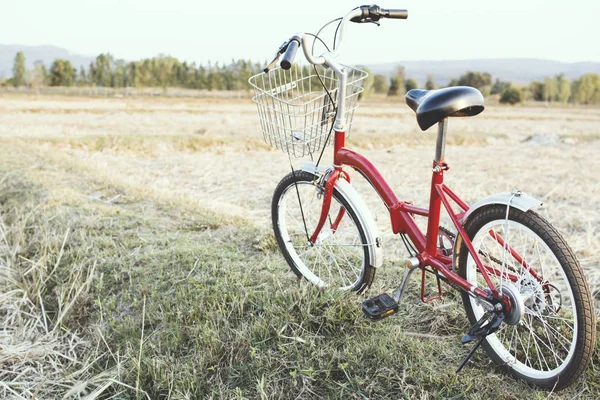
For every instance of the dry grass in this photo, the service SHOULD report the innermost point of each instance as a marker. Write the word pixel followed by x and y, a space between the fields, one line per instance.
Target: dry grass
pixel 109 203
pixel 193 147
pixel 40 357
pixel 212 152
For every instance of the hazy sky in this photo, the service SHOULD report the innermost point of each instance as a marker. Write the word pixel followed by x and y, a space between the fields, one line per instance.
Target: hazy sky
pixel 203 30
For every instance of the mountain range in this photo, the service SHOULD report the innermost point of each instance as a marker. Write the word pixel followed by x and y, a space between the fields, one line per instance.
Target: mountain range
pixel 46 54
pixel 518 70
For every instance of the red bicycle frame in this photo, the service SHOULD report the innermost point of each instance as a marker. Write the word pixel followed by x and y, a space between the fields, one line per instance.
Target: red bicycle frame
pixel 402 216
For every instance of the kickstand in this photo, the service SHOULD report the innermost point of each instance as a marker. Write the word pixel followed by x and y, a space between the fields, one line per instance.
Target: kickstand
pixel 475 347
pixel 481 331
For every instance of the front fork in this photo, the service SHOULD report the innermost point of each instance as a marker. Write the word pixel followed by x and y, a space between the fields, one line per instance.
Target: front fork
pixel 330 180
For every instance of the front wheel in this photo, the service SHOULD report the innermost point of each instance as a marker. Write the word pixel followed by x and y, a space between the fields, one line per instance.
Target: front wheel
pixel 340 258
pixel 552 344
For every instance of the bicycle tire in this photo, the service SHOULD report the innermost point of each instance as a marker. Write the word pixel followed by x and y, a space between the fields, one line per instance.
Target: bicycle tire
pixel 563 331
pixel 344 248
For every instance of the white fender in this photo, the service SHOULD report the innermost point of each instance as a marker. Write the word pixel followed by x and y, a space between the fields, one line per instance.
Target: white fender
pixel 366 219
pixel 516 199
pixel 364 215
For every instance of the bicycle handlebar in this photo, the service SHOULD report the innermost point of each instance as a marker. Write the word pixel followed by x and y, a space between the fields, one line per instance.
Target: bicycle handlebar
pixel 374 13
pixel 290 53
pixel 360 14
pixel 396 14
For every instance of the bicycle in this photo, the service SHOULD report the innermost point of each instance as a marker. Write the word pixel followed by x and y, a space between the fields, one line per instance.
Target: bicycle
pixel 522 287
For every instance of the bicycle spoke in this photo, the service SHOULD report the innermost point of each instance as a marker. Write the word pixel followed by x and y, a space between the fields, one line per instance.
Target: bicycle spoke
pixel 541 341
pixel 338 256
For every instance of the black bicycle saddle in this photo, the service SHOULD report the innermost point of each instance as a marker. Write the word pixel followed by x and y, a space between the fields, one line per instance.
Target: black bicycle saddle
pixel 432 106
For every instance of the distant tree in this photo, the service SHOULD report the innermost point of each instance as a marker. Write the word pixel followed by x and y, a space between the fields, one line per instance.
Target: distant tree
pixel 119 76
pixel 430 84
pixel 133 78
pixel 453 82
pixel 512 95
pixel 101 71
pixel 82 79
pixel 184 74
pixel 564 88
pixel 550 89
pixel 243 71
pixel 397 83
pixel 214 79
pixel 144 73
pixel 499 87
pixel 536 90
pixel 39 75
pixel 201 78
pixel 394 87
pixel 163 70
pixel 586 89
pixel 478 80
pixel 19 70
pixel 228 74
pixel 62 73
pixel 410 84
pixel 380 83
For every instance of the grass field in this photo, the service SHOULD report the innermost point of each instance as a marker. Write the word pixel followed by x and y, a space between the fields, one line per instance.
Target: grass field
pixel 137 259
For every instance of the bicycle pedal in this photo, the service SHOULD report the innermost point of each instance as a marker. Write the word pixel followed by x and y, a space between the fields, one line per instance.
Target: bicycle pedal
pixel 380 306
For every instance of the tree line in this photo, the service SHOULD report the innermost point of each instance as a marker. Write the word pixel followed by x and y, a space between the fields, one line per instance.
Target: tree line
pixel 161 71
pixel 165 71
pixel 583 90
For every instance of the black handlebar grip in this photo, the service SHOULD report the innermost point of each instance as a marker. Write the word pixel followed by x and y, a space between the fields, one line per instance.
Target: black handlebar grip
pixel 395 14
pixel 290 54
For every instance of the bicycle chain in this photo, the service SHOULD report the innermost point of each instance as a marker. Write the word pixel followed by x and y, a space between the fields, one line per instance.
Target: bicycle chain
pixel 494 259
pixel 452 236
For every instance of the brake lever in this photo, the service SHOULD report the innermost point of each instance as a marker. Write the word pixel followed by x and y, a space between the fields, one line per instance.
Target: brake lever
pixel 366 21
pixel 283 47
pixel 280 51
pixel 272 63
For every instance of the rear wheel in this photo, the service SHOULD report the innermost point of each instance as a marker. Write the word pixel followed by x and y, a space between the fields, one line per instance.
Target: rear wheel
pixel 551 345
pixel 340 257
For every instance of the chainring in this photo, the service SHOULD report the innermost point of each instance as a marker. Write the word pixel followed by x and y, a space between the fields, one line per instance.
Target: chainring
pixel 446 240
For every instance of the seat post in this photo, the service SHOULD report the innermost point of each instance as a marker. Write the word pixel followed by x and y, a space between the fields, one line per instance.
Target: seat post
pixel 435 200
pixel 440 145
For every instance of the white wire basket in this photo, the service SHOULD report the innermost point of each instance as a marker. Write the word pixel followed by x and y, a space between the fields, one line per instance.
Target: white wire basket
pixel 295 111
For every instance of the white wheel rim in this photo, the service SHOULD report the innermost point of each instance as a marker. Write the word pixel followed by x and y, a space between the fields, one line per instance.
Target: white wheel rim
pixel 556 343
pixel 334 252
